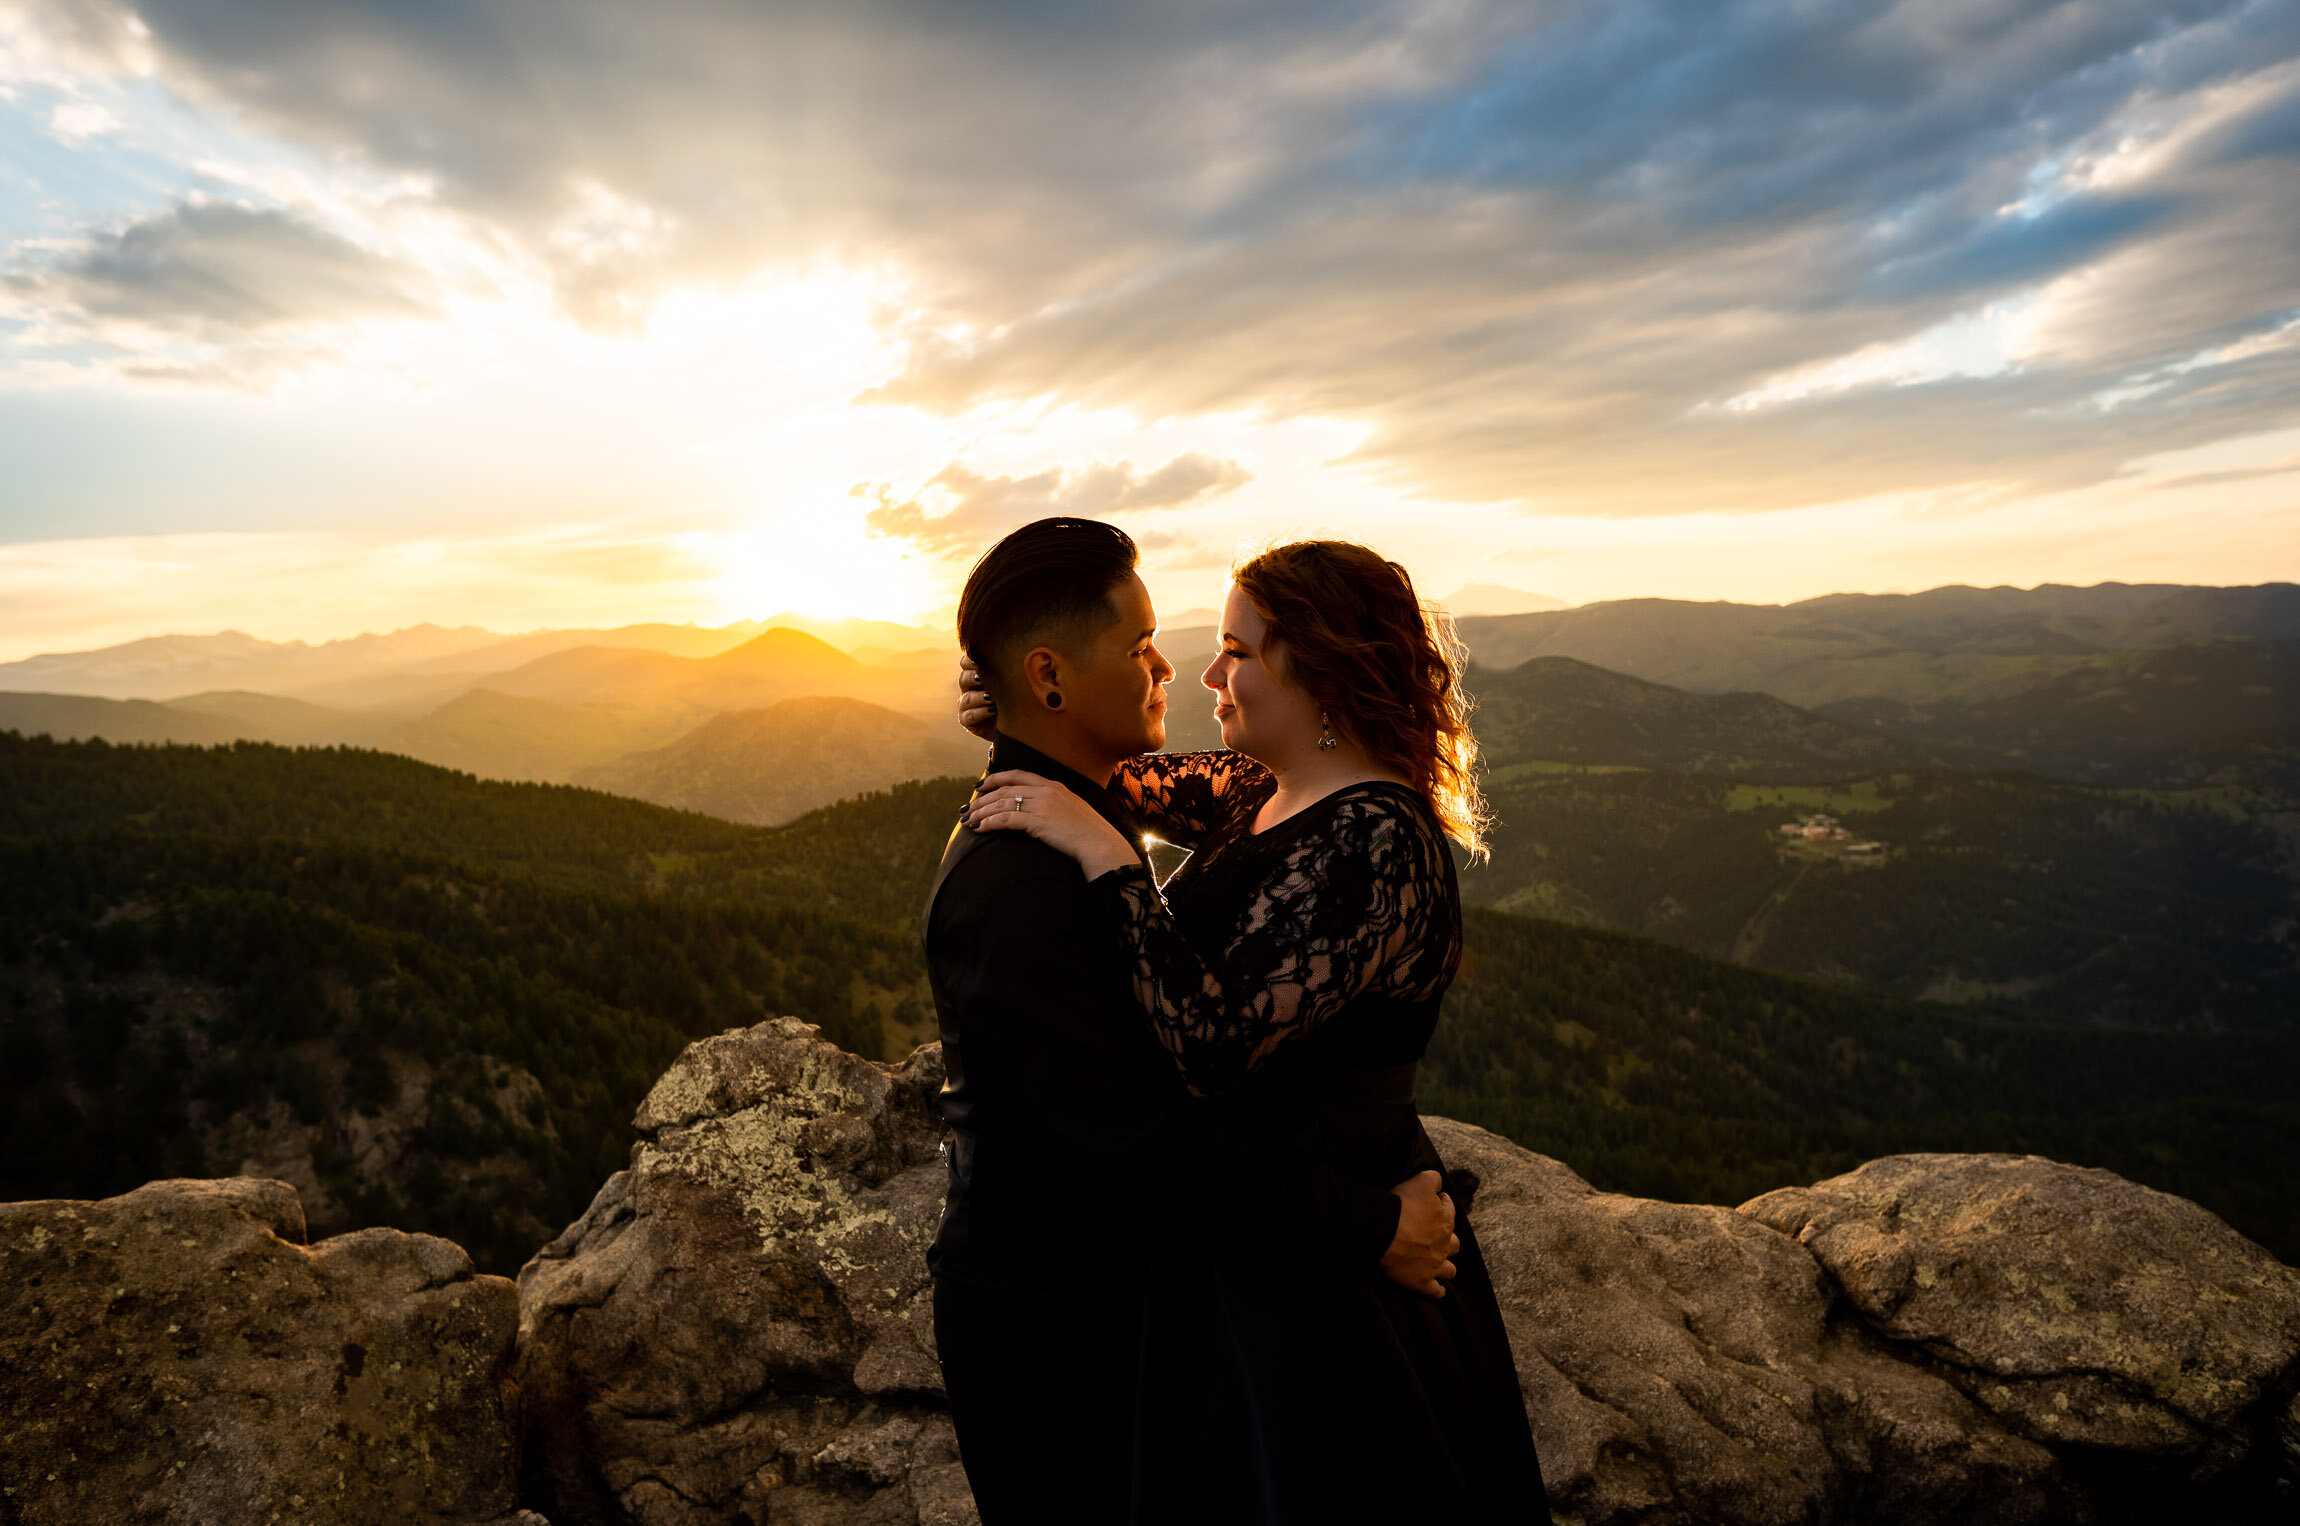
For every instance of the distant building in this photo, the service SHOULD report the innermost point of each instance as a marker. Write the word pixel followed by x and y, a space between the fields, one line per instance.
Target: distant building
pixel 1826 829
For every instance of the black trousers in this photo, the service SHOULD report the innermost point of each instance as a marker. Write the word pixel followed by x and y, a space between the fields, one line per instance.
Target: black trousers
pixel 1042 1385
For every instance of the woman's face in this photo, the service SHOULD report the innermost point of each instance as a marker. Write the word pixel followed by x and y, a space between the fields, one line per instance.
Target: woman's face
pixel 1263 715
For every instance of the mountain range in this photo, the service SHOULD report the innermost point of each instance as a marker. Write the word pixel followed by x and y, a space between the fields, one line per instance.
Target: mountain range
pixel 2121 844
pixel 561 710
pixel 1555 710
pixel 1949 642
pixel 166 667
pixel 764 767
pixel 2129 685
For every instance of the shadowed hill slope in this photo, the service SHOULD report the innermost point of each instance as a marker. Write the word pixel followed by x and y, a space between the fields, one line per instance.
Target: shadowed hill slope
pixel 767 766
pixel 508 736
pixel 2120 721
pixel 1557 710
pixel 1949 642
pixel 2093 904
pixel 76 717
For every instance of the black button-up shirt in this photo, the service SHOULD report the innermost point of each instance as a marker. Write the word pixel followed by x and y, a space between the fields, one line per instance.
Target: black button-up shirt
pixel 1073 1138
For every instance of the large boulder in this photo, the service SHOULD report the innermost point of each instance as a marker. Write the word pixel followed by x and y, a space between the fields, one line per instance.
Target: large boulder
pixel 176 1354
pixel 2081 1310
pixel 1681 1364
pixel 739 1325
pixel 738 1329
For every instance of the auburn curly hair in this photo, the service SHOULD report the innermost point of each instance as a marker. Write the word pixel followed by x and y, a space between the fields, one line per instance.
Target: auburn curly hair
pixel 1385 667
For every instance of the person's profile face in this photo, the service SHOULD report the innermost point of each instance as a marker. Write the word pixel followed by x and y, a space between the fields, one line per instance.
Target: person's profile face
pixel 1262 714
pixel 1120 693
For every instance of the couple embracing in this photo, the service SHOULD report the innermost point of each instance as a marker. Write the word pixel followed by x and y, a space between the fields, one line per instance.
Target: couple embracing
pixel 1199 1262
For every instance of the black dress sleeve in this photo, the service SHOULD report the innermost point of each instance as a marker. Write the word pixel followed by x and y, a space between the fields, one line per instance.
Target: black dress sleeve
pixel 1186 797
pixel 1359 907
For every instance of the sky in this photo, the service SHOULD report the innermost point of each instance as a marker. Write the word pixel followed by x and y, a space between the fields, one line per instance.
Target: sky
pixel 353 314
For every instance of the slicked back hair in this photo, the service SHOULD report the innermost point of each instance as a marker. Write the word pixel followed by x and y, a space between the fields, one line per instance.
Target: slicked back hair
pixel 1047 584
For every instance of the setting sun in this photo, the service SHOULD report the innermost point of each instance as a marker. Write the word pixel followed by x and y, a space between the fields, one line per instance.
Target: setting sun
pixel 823 564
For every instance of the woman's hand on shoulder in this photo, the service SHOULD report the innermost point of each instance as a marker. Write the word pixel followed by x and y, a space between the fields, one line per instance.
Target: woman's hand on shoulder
pixel 1016 801
pixel 977 711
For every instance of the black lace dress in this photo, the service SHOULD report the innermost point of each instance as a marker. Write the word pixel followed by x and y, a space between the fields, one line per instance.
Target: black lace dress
pixel 1295 975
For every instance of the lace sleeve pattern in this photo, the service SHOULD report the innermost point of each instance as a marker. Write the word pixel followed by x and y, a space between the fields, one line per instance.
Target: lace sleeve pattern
pixel 1185 797
pixel 1360 907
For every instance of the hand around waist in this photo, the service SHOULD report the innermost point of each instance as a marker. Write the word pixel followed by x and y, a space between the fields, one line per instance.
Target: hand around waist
pixel 1420 1256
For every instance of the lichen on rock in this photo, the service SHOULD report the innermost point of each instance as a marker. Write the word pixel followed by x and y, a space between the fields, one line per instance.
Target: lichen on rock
pixel 738 1330
pixel 758 1275
pixel 2080 1308
pixel 177 1354
pixel 755 1287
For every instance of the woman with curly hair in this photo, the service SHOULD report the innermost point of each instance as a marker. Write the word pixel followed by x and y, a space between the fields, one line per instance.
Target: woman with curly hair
pixel 1293 969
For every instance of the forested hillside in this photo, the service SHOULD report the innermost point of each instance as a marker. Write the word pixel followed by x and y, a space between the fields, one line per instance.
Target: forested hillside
pixel 1552 710
pixel 2153 908
pixel 2123 719
pixel 1661 1073
pixel 434 1002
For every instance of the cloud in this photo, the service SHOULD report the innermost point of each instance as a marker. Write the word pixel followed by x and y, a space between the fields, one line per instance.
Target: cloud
pixel 216 270
pixel 1531 249
pixel 981 509
pixel 1987 343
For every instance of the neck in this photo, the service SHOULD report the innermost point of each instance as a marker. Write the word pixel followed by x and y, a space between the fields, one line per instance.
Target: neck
pixel 1311 774
pixel 1062 742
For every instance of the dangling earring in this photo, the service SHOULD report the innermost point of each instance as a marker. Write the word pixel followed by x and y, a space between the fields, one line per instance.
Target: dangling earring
pixel 1327 741
pixel 1054 699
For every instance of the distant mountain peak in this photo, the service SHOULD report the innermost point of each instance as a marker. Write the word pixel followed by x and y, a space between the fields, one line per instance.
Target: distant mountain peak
pixel 784 642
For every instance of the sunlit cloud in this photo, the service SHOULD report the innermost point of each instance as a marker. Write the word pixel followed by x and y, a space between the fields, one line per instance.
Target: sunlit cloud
pixel 1987 343
pixel 1479 277
pixel 975 510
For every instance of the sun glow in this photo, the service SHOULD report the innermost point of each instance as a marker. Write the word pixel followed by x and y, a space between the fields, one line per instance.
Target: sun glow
pixel 817 564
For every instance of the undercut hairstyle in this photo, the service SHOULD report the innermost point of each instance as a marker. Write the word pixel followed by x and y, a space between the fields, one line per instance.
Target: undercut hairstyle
pixel 1386 668
pixel 1048 584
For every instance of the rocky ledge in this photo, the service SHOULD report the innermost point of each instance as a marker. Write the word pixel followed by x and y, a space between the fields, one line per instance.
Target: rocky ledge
pixel 177 1354
pixel 737 1330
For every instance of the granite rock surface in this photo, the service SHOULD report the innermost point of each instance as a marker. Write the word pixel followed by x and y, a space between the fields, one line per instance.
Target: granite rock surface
pixel 2081 1310
pixel 177 1354
pixel 738 1331
pixel 738 1328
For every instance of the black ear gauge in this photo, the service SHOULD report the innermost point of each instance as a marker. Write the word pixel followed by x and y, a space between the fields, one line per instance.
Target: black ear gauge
pixel 1054 699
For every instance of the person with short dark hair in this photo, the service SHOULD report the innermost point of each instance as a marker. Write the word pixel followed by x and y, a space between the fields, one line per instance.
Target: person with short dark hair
pixel 1292 970
pixel 1075 1149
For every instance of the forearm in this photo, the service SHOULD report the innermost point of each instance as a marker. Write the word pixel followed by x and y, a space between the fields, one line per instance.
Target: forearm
pixel 1185 1002
pixel 1177 796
